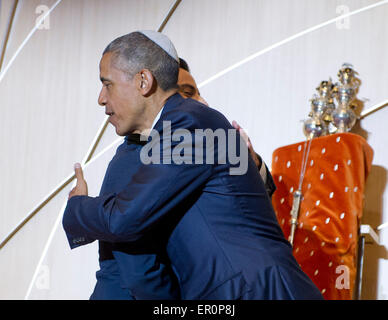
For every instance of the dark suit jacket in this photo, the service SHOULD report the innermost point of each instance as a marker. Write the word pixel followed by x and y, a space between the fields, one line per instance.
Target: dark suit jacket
pixel 221 233
pixel 131 271
pixel 268 179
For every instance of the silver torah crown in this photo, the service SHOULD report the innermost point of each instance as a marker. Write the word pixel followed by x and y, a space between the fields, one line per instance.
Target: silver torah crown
pixel 328 117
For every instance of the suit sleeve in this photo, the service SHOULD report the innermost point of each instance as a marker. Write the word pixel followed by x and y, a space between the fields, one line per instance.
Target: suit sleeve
pixel 266 176
pixel 150 196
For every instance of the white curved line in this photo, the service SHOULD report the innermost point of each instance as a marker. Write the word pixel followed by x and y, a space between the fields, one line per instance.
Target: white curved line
pixel 59 218
pixel 216 76
pixel 250 58
pixel 2 74
pixel 43 255
pixel 174 5
pixel 95 140
pixel 66 179
pixel 289 39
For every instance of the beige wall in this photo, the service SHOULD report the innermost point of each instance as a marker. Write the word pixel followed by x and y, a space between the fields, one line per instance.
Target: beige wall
pixel 50 114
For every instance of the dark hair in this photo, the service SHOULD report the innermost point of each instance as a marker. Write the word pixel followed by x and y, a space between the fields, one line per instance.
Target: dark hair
pixel 183 64
pixel 134 51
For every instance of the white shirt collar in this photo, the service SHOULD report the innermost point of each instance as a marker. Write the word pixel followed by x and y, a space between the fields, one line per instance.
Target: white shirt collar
pixel 157 117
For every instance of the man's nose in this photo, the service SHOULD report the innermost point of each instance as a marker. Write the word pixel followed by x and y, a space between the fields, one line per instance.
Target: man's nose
pixel 101 98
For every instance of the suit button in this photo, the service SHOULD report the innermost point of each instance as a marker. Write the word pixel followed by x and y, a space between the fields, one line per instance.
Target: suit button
pixel 78 240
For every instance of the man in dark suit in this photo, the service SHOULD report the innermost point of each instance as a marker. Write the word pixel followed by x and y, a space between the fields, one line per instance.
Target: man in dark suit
pixel 129 271
pixel 212 215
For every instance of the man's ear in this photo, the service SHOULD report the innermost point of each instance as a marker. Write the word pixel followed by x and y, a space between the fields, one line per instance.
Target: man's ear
pixel 145 82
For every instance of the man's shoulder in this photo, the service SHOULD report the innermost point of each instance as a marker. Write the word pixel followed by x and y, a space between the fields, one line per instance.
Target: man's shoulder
pixel 191 113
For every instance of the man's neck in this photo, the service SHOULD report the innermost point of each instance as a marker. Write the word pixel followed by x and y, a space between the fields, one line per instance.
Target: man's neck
pixel 153 107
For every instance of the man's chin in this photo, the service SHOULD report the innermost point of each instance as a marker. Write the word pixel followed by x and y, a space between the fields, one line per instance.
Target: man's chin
pixel 119 132
pixel 123 133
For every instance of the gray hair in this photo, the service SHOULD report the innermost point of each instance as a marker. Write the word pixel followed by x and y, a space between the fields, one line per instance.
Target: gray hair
pixel 134 52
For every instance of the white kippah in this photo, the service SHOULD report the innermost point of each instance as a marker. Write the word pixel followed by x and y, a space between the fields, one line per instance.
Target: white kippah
pixel 162 41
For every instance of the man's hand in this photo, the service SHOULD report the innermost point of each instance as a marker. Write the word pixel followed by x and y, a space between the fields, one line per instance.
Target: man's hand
pixel 81 189
pixel 248 142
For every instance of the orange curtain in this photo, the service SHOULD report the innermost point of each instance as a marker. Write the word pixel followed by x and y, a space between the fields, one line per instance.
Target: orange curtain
pixel 325 241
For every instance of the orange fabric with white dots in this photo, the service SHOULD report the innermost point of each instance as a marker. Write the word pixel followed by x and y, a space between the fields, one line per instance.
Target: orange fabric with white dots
pixel 325 241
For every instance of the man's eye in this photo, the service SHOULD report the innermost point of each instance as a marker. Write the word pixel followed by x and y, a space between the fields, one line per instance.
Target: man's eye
pixel 188 93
